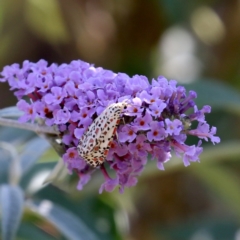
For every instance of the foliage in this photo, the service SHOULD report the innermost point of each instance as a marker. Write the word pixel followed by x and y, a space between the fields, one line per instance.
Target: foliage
pixel 197 202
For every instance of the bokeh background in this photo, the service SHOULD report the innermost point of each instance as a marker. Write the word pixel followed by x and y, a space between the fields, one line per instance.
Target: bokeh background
pixel 194 42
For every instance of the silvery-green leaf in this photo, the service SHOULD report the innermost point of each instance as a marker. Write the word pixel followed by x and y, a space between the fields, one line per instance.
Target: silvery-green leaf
pixel 15 135
pixel 10 112
pixel 68 223
pixel 216 94
pixel 11 202
pixel 34 149
pixel 15 170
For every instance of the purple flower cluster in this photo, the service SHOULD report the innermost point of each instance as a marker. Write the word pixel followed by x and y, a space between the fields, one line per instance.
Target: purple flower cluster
pixel 155 123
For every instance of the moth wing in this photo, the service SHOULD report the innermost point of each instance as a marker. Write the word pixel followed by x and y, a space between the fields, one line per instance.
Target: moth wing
pixel 89 139
pixel 96 141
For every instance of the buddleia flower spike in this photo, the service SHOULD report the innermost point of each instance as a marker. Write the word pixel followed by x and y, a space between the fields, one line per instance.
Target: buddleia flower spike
pixel 86 104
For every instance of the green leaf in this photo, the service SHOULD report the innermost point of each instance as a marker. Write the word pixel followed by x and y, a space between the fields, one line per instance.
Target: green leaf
pixel 216 94
pixel 29 231
pixel 12 200
pixel 34 149
pixel 15 135
pixel 223 182
pixel 71 226
pixel 5 162
pixel 10 112
pixel 58 173
pixel 49 156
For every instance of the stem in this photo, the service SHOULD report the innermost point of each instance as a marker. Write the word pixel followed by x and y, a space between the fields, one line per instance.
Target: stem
pixel 28 126
pixel 105 173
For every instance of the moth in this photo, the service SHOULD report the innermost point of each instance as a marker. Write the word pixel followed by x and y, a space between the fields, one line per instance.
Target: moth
pixel 94 145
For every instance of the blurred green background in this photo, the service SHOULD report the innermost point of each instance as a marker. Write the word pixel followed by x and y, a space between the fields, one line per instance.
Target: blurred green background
pixel 194 42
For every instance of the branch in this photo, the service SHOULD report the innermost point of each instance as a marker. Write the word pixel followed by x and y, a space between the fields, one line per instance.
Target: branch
pixel 28 126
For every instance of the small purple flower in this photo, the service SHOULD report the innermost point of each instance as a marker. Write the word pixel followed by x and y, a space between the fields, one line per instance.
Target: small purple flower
pixel 127 133
pixel 68 139
pixel 75 116
pixel 135 84
pixel 126 180
pixel 75 77
pixel 199 114
pixel 203 132
pixel 78 132
pixel 157 108
pixel 109 185
pixel 84 179
pixel 27 86
pixel 72 160
pixel 141 147
pixel 190 153
pixel 61 116
pixel 152 96
pixel 137 163
pixel 28 109
pixel 72 99
pixel 142 123
pixel 173 127
pixel 9 72
pixel 135 108
pixel 84 117
pixel 101 94
pixel 44 83
pixel 157 131
pixel 45 111
pixel 111 152
pixel 161 155
pixel 56 96
pixel 86 98
pixel 120 149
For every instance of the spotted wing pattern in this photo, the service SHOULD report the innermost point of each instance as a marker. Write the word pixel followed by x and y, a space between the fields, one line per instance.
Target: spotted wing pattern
pixel 94 145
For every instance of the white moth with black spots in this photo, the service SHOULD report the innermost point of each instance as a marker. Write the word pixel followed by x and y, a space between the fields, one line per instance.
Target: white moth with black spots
pixel 94 145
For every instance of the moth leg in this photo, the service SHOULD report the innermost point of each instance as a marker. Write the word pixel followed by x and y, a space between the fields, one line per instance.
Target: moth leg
pixel 117 137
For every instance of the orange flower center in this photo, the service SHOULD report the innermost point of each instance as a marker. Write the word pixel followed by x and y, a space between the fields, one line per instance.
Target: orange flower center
pixel 46 110
pixel 130 132
pixel 71 155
